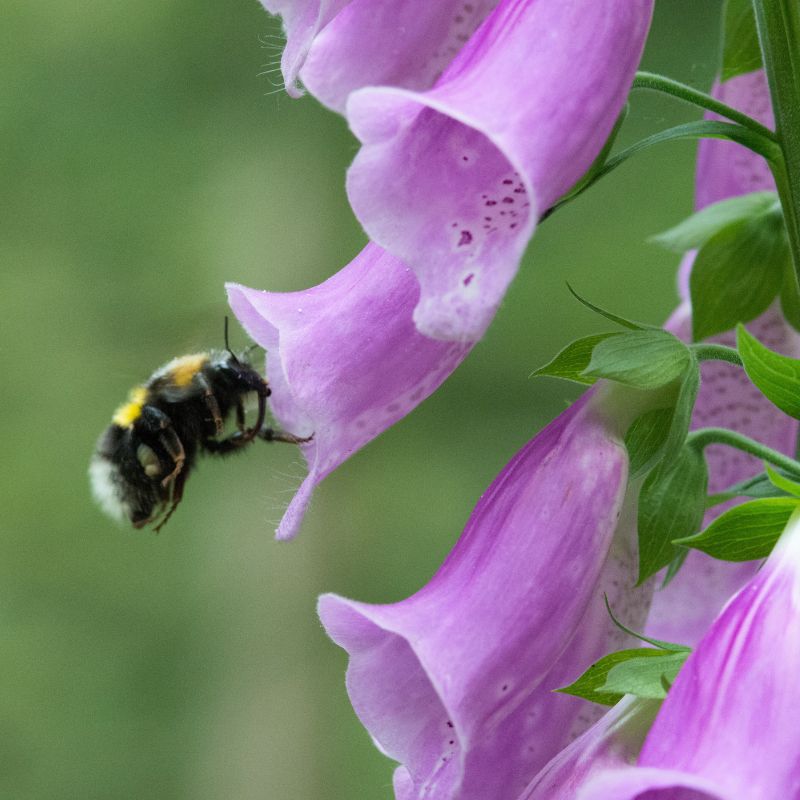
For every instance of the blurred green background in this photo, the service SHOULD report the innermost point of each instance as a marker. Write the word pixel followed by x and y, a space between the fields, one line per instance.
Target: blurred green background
pixel 145 161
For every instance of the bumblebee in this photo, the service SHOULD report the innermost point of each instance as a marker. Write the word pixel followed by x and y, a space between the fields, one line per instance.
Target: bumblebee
pixel 143 459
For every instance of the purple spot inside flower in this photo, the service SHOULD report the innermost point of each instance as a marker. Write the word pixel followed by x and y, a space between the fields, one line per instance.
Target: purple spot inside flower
pixel 466 238
pixel 508 199
pixel 468 280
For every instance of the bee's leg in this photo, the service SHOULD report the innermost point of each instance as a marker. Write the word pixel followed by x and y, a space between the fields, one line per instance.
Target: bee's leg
pixel 240 415
pixel 156 427
pixel 244 435
pixel 210 400
pixel 271 435
pixel 174 447
pixel 177 496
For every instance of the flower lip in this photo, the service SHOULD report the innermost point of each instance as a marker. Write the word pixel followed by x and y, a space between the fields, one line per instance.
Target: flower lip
pixel 630 784
pixel 515 120
pixel 344 360
pixel 431 744
pixel 460 297
pixel 402 44
pixel 460 674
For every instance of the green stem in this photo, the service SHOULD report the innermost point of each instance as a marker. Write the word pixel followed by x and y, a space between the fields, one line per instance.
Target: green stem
pixel 660 83
pixel 778 24
pixel 699 129
pixel 705 436
pixel 716 352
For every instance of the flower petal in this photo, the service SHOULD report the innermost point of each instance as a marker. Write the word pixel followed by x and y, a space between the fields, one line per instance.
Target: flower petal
pixel 344 360
pixel 613 741
pixel 337 46
pixel 303 20
pixel 403 43
pixel 731 716
pixel 650 784
pixel 456 681
pixel 452 180
pixel 726 169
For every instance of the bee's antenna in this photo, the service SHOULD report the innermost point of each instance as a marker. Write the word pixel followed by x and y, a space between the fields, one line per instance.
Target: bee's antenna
pixel 227 344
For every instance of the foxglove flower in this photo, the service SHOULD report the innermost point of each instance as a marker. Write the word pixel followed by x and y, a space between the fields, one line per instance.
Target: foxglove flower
pixel 456 682
pixel 453 180
pixel 337 46
pixel 464 147
pixel 344 360
pixel 613 741
pixel 728 727
pixel 682 613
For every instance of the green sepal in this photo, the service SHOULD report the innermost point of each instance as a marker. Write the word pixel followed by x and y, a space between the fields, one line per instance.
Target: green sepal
pixel 682 416
pixel 645 677
pixel 738 273
pixel 790 298
pixel 645 440
pixel 747 532
pixel 642 359
pixel 571 362
pixel 599 162
pixel 696 230
pixel 591 685
pixel 625 323
pixel 782 482
pixel 777 377
pixel 741 51
pixel 671 506
pixel 659 433
pixel 757 486
pixel 659 643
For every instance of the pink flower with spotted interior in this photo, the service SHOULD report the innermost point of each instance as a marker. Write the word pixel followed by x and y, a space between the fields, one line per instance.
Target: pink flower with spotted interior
pixel 474 118
pixel 457 681
pixel 344 361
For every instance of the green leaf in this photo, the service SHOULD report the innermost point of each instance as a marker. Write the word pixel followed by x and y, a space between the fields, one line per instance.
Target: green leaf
pixel 671 506
pixel 777 377
pixel 746 532
pixel 738 273
pixel 588 686
pixel 573 359
pixel 659 643
pixel 599 162
pixel 642 359
pixel 626 323
pixel 682 416
pixel 645 440
pixel 696 230
pixel 646 676
pixel 741 52
pixel 756 486
pixel 783 482
pixel 790 298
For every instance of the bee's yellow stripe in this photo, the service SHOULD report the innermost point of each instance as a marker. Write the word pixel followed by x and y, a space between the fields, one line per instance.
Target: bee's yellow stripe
pixel 129 412
pixel 182 370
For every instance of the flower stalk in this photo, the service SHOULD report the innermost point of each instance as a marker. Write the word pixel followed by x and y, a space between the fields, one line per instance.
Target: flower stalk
pixel 660 83
pixel 706 436
pixel 778 24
